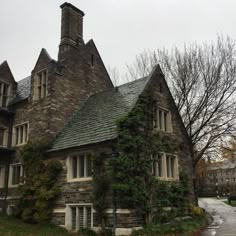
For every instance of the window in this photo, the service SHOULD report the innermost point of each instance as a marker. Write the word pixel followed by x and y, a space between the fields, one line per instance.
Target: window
pixel 11 210
pixel 2 176
pixel 3 137
pixel 20 134
pixel 4 94
pixel 162 119
pixel 40 85
pixel 80 167
pixel 170 166
pixel 165 166
pixel 158 166
pixel 15 174
pixel 79 216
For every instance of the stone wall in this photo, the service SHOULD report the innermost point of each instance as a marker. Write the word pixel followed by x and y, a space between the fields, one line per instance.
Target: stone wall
pixel 158 87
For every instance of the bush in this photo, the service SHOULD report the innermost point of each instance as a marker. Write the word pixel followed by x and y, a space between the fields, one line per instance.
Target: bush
pixel 86 232
pixel 40 188
pixel 196 210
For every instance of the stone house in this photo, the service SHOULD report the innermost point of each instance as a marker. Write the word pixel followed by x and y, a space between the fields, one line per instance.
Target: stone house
pixel 72 102
pixel 218 179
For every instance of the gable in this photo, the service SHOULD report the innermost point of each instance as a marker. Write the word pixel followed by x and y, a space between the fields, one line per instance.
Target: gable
pixel 158 87
pixel 96 121
pixel 94 57
pixel 42 61
pixel 5 74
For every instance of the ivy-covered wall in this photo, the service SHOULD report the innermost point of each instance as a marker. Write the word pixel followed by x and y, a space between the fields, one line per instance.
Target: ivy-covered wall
pixel 130 184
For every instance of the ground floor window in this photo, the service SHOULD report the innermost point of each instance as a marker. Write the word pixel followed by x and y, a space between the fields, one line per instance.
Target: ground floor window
pixel 79 167
pixel 165 166
pixel 79 216
pixel 11 210
pixel 15 174
pixel 2 176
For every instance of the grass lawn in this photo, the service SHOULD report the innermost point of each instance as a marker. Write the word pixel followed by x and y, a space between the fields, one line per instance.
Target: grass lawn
pixel 233 203
pixel 183 228
pixel 9 226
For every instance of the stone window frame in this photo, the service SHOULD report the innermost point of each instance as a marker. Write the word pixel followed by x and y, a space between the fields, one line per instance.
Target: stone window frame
pixel 11 169
pixel 68 215
pixel 164 176
pixel 15 140
pixel 162 120
pixel 2 176
pixel 11 209
pixel 5 136
pixel 2 95
pixel 40 84
pixel 69 161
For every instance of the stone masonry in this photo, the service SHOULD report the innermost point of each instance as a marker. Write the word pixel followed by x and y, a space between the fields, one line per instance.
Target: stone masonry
pixel 71 102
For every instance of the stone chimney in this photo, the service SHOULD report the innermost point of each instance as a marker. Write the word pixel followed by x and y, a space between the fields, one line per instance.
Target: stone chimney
pixel 71 28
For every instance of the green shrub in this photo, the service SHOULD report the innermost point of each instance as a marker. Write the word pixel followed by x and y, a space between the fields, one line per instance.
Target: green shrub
pixel 40 188
pixel 86 232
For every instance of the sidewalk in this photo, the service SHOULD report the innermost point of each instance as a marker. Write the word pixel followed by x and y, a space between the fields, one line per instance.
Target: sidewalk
pixel 224 217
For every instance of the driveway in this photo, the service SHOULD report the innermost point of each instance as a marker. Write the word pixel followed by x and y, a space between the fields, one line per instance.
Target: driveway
pixel 224 217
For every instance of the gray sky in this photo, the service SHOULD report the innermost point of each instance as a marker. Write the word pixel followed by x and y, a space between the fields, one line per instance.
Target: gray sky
pixel 121 29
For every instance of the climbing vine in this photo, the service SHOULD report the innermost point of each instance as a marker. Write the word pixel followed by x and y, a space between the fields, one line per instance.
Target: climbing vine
pixel 101 186
pixel 171 199
pixel 40 188
pixel 132 178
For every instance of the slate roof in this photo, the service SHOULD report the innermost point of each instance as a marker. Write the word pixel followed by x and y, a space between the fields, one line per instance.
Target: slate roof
pixel 96 120
pixel 23 90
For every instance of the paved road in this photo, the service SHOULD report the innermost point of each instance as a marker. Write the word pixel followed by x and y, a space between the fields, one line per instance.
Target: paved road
pixel 224 217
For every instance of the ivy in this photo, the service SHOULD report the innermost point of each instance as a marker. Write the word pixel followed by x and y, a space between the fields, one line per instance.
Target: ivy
pixel 171 199
pixel 101 186
pixel 39 189
pixel 132 178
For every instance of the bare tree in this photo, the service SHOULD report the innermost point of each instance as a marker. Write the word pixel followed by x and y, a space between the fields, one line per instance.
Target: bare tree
pixel 202 79
pixel 114 75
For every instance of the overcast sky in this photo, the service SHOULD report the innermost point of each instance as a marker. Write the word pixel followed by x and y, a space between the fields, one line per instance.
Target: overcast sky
pixel 121 29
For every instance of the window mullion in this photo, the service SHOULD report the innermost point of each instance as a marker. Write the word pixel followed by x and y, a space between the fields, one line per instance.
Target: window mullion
pixel 46 83
pixel 18 135
pixel 77 219
pixel 162 121
pixel 23 135
pixel 78 166
pixel 85 165
pixel 85 217
pixel 164 165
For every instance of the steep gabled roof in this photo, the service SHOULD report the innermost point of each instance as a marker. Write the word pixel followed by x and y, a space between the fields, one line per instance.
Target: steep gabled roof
pixel 6 74
pixel 23 90
pixel 96 120
pixel 43 59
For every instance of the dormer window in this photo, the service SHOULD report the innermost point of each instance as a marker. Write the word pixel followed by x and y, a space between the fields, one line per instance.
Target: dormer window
pixel 40 85
pixel 4 94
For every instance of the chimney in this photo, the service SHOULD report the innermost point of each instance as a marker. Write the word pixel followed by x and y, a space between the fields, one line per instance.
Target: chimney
pixel 71 27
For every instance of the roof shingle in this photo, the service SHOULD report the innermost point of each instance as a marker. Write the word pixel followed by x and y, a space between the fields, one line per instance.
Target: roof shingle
pixel 23 90
pixel 96 120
